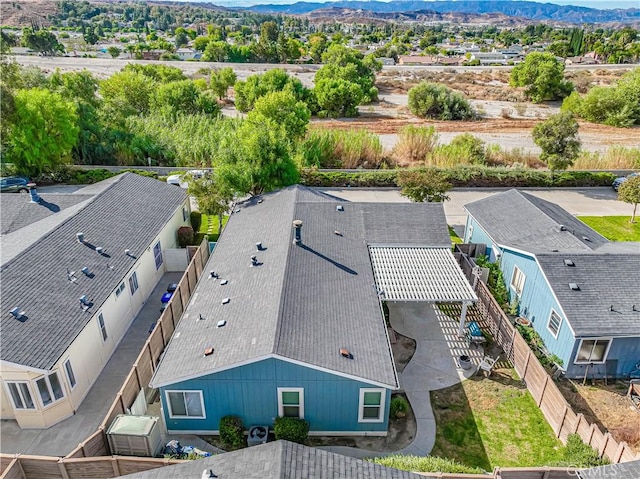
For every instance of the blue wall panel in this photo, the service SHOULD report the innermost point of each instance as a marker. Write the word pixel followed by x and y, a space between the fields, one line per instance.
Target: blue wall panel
pixel 473 233
pixel 330 402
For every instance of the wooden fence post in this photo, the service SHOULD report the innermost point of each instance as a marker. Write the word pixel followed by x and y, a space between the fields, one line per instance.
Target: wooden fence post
pixel 580 417
pixel 564 417
pixel 618 455
pixel 603 448
pixel 544 388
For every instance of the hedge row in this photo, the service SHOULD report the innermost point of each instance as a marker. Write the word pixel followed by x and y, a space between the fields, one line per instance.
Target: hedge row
pixel 470 176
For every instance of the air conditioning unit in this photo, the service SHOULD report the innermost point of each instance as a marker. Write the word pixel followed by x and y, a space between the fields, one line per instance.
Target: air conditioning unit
pixel 135 435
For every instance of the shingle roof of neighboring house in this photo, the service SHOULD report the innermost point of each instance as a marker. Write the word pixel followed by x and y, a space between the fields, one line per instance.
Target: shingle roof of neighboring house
pixel 17 211
pixel 277 460
pixel 605 281
pixel 624 470
pixel 521 220
pixel 302 303
pixel 128 214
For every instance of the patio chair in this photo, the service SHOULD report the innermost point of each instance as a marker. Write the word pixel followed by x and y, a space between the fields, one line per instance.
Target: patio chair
pixel 474 335
pixel 487 364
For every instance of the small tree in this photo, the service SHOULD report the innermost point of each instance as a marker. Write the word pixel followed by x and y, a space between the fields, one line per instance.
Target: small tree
pixel 185 236
pixel 542 75
pixel 558 139
pixel 221 80
pixel 432 100
pixel 629 192
pixel 114 51
pixel 422 185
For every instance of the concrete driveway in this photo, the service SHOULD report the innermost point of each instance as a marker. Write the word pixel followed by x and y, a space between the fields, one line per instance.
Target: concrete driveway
pixel 61 439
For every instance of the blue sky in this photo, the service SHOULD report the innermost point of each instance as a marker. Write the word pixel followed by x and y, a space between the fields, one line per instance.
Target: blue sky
pixel 602 4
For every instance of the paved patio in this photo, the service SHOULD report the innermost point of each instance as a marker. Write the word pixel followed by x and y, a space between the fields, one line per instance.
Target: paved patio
pixel 62 438
pixel 433 366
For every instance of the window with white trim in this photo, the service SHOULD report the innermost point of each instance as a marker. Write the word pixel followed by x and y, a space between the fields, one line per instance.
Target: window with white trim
pixel 157 254
pixel 120 289
pixel 133 283
pixel 291 402
pixel 103 327
pixel 50 389
pixel 371 408
pixel 185 213
pixel 554 323
pixel 185 404
pixel 517 280
pixel 593 351
pixel 70 376
pixel 20 395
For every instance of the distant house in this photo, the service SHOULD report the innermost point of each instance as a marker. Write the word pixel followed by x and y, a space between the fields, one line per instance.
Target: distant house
pixel 188 54
pixel 579 290
pixel 76 269
pixel 492 58
pixel 289 321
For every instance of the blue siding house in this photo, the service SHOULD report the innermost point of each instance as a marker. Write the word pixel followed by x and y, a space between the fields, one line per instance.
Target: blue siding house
pixel 288 322
pixel 580 291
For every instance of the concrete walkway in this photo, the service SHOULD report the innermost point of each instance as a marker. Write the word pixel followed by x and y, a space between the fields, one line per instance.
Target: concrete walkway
pixel 433 366
pixel 62 438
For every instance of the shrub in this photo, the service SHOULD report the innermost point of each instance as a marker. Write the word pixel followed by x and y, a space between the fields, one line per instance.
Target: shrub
pixel 425 464
pixel 231 432
pixel 196 220
pixel 341 149
pixel 432 100
pixel 579 454
pixel 398 406
pixel 414 144
pixel 185 236
pixel 464 149
pixel 291 429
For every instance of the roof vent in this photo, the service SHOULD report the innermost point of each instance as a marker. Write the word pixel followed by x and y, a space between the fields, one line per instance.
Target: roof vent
pixel 226 300
pixel 208 351
pixel 344 352
pixel 337 233
pixel 254 261
pixel 574 286
pixel 85 303
pixel 86 272
pixel 297 239
pixel 71 276
pixel 16 313
pixel 213 274
pixel 99 249
pixel 128 253
pixel 568 262
pixel 200 317
pixel 80 237
pixel 563 228
pixel 259 246
pixel 221 323
pixel 339 208
pixel 208 474
pixel 223 282
pixel 586 238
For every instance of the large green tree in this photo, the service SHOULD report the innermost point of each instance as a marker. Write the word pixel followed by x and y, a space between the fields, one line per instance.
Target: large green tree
pixel 435 101
pixel 542 75
pixel 282 108
pixel 629 192
pixel 211 196
pixel 126 93
pixel 558 139
pixel 247 92
pixel 43 131
pixel 41 41
pixel 184 97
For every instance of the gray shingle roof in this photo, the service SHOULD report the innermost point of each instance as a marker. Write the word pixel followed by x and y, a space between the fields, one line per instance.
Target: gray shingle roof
pixel 604 280
pixel 303 302
pixel 521 220
pixel 17 211
pixel 128 214
pixel 625 470
pixel 277 460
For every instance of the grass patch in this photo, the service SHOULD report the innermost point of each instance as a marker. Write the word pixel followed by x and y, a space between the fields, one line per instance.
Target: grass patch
pixel 493 422
pixel 614 228
pixel 455 239
pixel 425 464
pixel 212 220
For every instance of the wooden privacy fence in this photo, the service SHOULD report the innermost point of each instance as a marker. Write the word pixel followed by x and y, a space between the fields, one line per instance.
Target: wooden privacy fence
pixel 144 366
pixel 557 411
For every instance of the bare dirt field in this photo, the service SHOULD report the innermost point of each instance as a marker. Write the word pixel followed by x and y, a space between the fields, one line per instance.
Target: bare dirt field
pixel 606 406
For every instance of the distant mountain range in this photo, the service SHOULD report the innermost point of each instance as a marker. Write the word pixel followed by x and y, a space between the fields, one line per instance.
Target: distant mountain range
pixel 523 9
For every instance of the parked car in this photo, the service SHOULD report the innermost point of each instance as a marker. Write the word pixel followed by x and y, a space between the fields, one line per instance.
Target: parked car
pixel 181 180
pixel 618 181
pixel 14 184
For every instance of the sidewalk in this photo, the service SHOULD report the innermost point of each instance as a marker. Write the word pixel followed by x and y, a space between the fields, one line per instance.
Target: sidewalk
pixel 62 438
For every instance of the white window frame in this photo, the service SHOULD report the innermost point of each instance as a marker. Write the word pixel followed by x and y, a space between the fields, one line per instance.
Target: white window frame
pixel 604 357
pixel 513 277
pixel 300 406
pixel 133 283
pixel 469 232
pixel 47 381
pixel 159 255
pixel 560 321
pixel 183 391
pixel 361 406
pixel 120 289
pixel 71 376
pixel 29 390
pixel 102 326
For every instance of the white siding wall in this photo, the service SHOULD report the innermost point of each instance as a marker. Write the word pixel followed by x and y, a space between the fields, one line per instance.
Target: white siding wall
pixel 89 353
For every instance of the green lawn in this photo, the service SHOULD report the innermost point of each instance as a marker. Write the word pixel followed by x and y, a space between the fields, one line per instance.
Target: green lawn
pixel 488 422
pixel 614 228
pixel 213 221
pixel 455 239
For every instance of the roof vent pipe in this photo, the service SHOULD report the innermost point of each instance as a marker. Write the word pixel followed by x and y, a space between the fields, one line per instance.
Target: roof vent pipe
pixel 80 237
pixel 297 239
pixel 259 246
pixel 35 198
pixel 99 249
